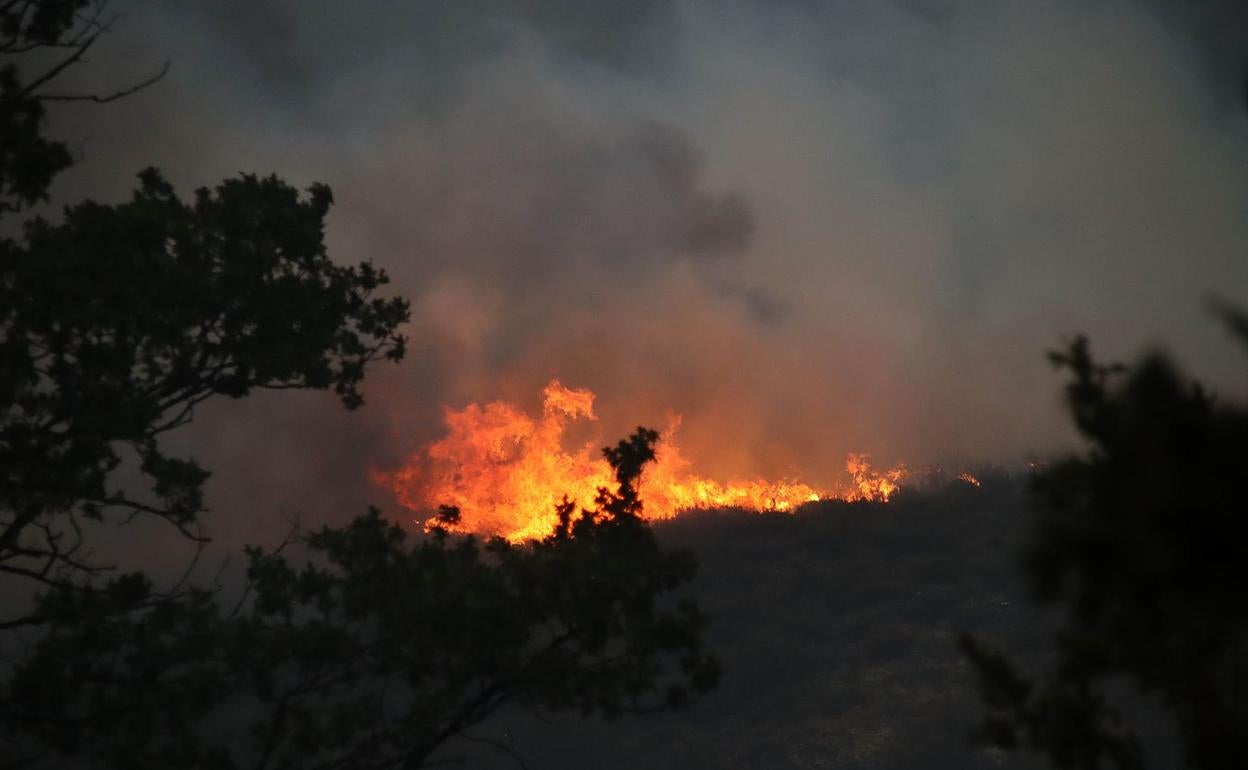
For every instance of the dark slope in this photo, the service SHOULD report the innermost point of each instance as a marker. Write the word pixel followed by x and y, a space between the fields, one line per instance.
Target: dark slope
pixel 837 629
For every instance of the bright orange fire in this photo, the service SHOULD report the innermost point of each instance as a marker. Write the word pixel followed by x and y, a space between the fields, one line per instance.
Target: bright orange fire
pixel 505 471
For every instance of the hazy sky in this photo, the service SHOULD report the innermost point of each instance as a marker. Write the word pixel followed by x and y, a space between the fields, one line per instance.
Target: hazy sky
pixel 810 227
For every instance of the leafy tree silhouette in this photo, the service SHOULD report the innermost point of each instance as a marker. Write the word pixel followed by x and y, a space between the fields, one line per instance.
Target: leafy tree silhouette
pixel 1140 539
pixel 377 651
pixel 116 322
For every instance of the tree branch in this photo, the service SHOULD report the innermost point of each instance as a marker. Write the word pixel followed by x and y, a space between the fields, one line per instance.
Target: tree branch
pixel 98 99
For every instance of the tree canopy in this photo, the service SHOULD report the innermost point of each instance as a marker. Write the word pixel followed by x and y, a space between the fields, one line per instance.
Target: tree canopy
pixel 1139 539
pixel 119 320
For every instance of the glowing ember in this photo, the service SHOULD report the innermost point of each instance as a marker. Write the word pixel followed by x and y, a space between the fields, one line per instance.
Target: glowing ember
pixel 969 479
pixel 505 471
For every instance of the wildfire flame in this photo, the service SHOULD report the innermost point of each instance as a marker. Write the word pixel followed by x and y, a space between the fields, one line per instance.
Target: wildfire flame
pixel 505 471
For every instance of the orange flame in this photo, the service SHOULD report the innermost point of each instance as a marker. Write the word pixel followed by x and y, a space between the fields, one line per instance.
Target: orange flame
pixel 505 471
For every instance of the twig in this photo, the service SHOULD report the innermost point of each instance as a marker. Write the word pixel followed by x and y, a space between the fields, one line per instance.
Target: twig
pixel 98 99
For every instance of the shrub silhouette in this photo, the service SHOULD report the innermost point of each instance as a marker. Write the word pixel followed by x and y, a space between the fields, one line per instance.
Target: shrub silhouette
pixel 1140 540
pixel 376 650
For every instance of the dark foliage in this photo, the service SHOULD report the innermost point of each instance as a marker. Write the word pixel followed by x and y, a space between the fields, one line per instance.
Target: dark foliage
pixel 28 159
pixel 376 651
pixel 116 321
pixel 1140 540
pixel 39 41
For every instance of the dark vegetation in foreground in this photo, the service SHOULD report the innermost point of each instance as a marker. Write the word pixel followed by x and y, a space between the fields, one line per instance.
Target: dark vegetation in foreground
pixel 1139 544
pixel 362 650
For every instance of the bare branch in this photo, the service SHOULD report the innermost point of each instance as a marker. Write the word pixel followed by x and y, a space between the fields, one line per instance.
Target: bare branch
pixel 21 15
pixel 121 501
pixel 181 582
pixel 43 578
pixel 97 99
pixel 58 68
pixel 8 4
pixel 33 619
pixel 497 745
pixel 292 536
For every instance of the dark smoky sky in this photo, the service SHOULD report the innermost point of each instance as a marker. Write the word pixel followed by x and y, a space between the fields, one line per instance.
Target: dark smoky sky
pixel 809 227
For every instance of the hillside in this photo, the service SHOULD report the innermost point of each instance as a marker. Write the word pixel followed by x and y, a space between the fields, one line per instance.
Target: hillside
pixel 837 629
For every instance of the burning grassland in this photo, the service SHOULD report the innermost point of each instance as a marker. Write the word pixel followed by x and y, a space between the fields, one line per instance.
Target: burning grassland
pixel 506 470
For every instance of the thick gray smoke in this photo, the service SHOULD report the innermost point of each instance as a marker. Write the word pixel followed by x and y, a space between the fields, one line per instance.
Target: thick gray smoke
pixel 809 227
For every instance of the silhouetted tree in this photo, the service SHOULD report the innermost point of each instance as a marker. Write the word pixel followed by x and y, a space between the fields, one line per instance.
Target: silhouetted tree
pixel 116 322
pixel 378 650
pixel 1141 540
pixel 119 320
pixel 48 38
